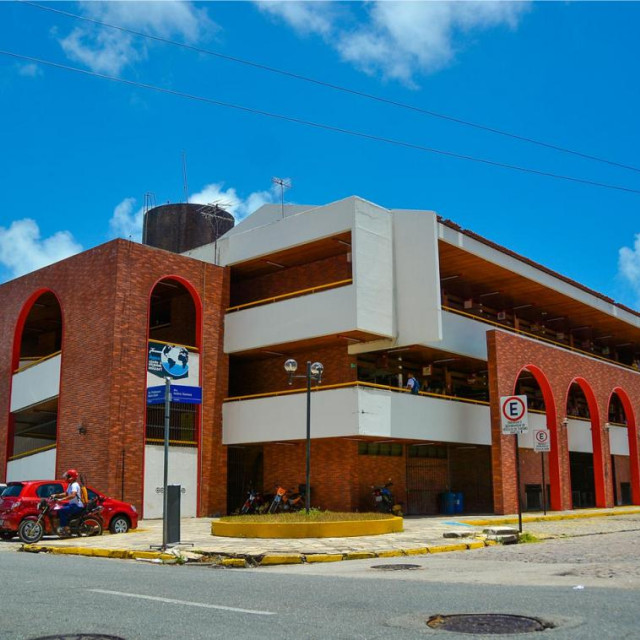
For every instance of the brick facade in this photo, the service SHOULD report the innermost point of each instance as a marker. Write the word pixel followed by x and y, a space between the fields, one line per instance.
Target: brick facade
pixel 555 369
pixel 104 297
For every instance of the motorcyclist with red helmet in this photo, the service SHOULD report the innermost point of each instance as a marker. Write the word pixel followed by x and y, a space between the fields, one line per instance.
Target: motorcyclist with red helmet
pixel 72 499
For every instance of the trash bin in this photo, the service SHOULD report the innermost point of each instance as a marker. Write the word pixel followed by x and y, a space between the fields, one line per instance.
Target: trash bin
pixel 447 503
pixel 458 502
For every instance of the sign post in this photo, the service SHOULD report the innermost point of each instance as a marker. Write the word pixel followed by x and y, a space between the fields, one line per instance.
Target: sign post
pixel 514 421
pixel 165 494
pixel 541 443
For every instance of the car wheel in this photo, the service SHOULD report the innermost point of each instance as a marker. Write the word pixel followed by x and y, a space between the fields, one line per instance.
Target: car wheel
pixel 119 524
pixel 7 535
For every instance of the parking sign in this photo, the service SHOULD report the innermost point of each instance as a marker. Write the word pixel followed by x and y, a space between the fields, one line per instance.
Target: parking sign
pixel 541 441
pixel 513 414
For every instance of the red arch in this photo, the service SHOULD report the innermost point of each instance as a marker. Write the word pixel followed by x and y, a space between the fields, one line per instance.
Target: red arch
pixel 197 303
pixel 555 475
pixel 632 434
pixel 15 351
pixel 596 438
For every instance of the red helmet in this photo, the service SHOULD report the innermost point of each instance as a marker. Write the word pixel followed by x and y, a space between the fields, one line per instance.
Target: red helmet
pixel 72 475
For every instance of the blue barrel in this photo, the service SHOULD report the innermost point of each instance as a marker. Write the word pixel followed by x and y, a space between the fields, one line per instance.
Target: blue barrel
pixel 459 502
pixel 448 503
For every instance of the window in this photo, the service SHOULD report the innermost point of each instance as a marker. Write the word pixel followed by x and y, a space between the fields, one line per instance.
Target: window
pixel 379 449
pixel 424 451
pixel 12 491
pixel 47 490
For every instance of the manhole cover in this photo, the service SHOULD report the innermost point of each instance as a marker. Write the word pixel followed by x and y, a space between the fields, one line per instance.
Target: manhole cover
pixel 484 623
pixel 78 636
pixel 396 567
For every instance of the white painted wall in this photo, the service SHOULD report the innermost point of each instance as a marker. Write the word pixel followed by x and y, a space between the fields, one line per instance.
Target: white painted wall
pixel 36 384
pixel 317 314
pixel 39 466
pixel 619 441
pixel 355 411
pixel 579 436
pixel 463 336
pixel 417 277
pixel 183 470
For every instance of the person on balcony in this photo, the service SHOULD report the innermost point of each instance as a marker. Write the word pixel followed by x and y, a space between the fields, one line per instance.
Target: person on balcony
pixel 413 385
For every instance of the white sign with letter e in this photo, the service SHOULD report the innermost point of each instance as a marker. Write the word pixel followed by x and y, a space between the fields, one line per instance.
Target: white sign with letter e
pixel 513 414
pixel 541 441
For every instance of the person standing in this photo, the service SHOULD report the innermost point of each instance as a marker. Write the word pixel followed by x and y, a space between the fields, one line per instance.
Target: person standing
pixel 73 500
pixel 413 385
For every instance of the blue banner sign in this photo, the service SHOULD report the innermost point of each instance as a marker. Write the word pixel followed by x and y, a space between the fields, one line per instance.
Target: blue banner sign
pixel 179 393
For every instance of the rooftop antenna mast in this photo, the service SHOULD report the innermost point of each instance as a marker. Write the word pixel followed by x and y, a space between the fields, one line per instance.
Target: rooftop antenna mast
pixel 210 212
pixel 149 203
pixel 283 183
pixel 184 176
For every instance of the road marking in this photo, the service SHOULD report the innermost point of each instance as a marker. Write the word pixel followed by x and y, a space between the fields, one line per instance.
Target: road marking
pixel 183 602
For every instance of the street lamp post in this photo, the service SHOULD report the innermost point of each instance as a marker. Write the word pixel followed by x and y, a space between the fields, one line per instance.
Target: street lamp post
pixel 314 372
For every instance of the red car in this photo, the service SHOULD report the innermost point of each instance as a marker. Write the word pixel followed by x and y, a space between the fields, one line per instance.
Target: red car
pixel 21 499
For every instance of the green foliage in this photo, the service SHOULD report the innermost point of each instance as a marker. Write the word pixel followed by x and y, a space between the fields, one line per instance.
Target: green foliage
pixel 315 515
pixel 525 537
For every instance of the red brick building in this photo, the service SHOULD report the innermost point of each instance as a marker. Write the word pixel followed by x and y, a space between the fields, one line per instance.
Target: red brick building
pixel 374 295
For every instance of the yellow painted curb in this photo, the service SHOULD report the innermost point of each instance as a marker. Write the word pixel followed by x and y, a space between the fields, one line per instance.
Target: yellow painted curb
pixel 445 548
pixel 233 562
pixel 339 529
pixel 553 517
pixel 324 557
pixel 359 555
pixel 390 554
pixel 475 545
pixel 281 558
pixel 416 552
pixel 490 543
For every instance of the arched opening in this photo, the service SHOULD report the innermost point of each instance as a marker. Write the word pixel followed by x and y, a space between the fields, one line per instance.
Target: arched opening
pixel 36 366
pixel 586 461
pixel 625 472
pixel 532 382
pixel 173 352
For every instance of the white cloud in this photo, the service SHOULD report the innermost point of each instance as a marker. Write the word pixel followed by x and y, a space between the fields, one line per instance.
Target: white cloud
pixel 229 200
pixel 30 70
pixel 126 221
pixel 107 50
pixel 398 39
pixel 629 267
pixel 22 250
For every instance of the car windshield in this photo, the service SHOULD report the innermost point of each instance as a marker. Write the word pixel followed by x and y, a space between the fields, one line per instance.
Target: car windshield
pixel 12 491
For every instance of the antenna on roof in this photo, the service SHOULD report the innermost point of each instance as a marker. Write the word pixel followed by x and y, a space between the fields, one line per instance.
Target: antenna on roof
pixel 184 176
pixel 210 212
pixel 284 183
pixel 149 203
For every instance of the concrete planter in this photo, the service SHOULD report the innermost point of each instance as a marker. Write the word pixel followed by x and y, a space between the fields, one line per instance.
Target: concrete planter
pixel 344 529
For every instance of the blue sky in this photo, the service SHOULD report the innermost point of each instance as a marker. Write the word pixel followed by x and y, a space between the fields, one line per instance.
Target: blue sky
pixel 80 152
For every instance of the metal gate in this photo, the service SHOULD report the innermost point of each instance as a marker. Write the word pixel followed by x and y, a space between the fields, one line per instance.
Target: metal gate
pixel 426 479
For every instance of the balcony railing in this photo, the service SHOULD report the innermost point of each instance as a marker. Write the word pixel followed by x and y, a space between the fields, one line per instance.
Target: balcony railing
pixel 291 294
pixel 356 383
pixel 535 336
pixel 27 363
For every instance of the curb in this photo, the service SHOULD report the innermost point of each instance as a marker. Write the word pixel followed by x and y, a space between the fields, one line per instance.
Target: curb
pixel 551 517
pixel 262 560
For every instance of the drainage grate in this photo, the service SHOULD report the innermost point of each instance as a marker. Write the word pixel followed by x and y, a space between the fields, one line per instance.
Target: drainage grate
pixel 396 567
pixel 485 623
pixel 78 636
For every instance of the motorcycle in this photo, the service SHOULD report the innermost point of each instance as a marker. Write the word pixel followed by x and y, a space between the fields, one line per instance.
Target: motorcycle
pixel 383 498
pixel 87 522
pixel 253 504
pixel 285 500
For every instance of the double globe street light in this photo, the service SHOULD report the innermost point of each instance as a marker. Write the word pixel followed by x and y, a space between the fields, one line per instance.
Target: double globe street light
pixel 314 372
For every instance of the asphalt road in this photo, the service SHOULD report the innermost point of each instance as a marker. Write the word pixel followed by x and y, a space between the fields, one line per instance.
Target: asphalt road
pixel 43 595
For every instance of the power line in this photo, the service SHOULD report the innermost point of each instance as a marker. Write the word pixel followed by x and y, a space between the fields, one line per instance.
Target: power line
pixel 319 125
pixel 329 85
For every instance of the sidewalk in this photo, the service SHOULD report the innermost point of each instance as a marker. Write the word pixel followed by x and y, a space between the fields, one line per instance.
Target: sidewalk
pixel 422 534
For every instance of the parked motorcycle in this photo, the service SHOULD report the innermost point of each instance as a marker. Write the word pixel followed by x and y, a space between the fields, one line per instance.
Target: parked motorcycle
pixel 253 504
pixel 383 498
pixel 286 500
pixel 87 522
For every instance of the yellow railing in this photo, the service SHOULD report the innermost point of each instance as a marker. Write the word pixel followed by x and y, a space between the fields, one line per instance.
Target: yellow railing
pixel 291 294
pixel 37 361
pixel 536 337
pixel 175 344
pixel 356 383
pixel 184 443
pixel 32 452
